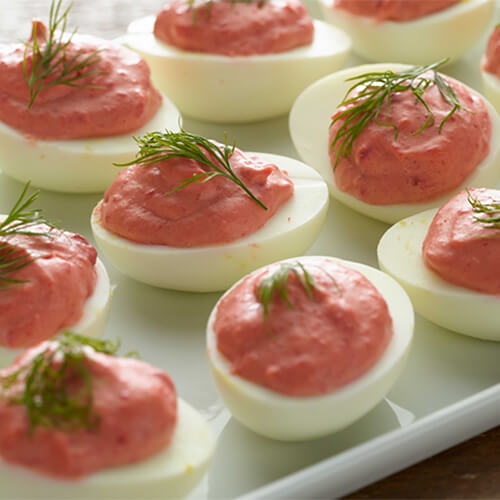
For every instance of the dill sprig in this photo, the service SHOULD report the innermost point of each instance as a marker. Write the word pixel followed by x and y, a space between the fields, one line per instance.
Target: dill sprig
pixel 12 259
pixel 159 146
pixel 208 10
pixel 58 387
pixel 277 282
pixel 489 213
pixel 377 89
pixel 51 64
pixel 23 216
pixel 20 220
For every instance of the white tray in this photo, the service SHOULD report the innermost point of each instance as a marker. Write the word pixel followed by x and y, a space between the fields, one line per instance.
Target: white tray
pixel 446 394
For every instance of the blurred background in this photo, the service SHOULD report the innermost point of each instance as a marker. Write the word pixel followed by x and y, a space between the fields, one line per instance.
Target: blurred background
pixel 106 18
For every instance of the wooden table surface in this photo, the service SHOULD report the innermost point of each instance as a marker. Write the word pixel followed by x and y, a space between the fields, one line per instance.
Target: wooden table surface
pixel 469 470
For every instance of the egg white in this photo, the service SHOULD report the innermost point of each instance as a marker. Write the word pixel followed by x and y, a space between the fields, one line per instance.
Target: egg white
pixel 169 474
pixel 75 166
pixel 289 418
pixel 290 232
pixel 450 306
pixel 448 33
pixel 491 88
pixel 309 123
pixel 219 88
pixel 92 322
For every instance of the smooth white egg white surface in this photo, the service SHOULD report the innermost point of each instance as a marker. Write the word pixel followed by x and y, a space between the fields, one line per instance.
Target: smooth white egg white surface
pixel 219 88
pixel 290 232
pixel 491 88
pixel 310 120
pixel 92 322
pixel 450 306
pixel 75 166
pixel 447 33
pixel 291 418
pixel 169 474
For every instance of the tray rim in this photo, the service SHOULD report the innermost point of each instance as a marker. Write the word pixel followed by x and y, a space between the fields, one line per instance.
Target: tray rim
pixel 391 452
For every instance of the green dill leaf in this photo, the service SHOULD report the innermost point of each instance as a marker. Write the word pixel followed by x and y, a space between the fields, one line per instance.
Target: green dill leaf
pixel 277 283
pixel 71 339
pixel 20 220
pixel 159 146
pixel 12 259
pixel 376 89
pixel 486 213
pixel 51 64
pixel 208 9
pixel 58 386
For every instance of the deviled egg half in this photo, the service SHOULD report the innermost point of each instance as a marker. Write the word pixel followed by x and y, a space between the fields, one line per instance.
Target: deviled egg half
pixel 92 322
pixel 237 88
pixel 171 223
pixel 69 106
pixel 315 344
pixel 490 69
pixel 78 165
pixel 136 438
pixel 450 32
pixel 50 280
pixel 466 297
pixel 311 129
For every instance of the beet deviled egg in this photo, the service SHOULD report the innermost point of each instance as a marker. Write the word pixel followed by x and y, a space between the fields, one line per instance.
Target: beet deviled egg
pixel 305 347
pixel 77 421
pixel 393 140
pixel 68 105
pixel 50 279
pixel 448 261
pixel 410 31
pixel 490 69
pixel 194 214
pixel 236 61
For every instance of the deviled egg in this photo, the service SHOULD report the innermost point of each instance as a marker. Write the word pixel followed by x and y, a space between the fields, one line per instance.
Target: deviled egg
pixel 466 297
pixel 490 69
pixel 245 86
pixel 449 32
pixel 50 280
pixel 315 344
pixel 311 129
pixel 69 105
pixel 127 435
pixel 174 221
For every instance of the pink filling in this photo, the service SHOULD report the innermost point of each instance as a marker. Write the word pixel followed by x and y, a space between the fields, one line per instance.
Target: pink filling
pixel 394 10
pixel 138 208
pixel 59 281
pixel 462 251
pixel 121 100
pixel 136 405
pixel 491 59
pixel 235 28
pixel 320 345
pixel 412 168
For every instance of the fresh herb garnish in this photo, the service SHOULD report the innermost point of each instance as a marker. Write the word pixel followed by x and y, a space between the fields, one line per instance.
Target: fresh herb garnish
pixel 51 63
pixel 489 213
pixel 159 146
pixel 58 387
pixel 277 282
pixel 12 259
pixel 208 9
pixel 376 90
pixel 20 220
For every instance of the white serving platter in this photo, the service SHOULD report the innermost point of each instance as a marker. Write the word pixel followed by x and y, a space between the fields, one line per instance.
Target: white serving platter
pixel 448 392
